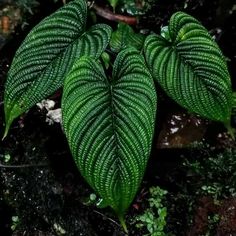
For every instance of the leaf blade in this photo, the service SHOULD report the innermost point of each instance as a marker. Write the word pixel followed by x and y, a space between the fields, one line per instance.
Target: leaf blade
pixel 191 68
pixel 47 54
pixel 109 125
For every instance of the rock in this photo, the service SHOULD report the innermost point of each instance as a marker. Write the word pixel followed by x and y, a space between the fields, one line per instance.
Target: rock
pixel 181 130
pixel 54 116
pixel 47 104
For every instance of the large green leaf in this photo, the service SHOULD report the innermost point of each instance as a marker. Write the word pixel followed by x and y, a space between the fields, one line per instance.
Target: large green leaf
pixel 109 125
pixel 191 68
pixel 47 54
pixel 125 37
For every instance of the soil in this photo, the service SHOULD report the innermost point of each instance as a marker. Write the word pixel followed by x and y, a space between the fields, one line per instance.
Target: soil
pixel 43 188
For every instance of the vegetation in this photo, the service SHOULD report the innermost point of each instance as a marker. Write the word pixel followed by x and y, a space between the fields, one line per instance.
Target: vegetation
pixel 215 173
pixel 109 120
pixel 154 217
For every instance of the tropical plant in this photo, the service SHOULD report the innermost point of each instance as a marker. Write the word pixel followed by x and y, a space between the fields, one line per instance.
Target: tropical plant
pixel 47 55
pixel 191 69
pixel 109 120
pixel 109 140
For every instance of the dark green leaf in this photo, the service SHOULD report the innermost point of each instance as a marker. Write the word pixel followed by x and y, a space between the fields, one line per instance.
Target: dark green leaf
pixel 191 69
pixel 109 125
pixel 47 54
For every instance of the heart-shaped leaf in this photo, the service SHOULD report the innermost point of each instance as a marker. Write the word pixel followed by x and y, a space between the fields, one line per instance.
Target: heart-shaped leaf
pixel 109 124
pixel 47 54
pixel 190 67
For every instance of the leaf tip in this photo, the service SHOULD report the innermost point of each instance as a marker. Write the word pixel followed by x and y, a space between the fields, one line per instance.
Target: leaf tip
pixel 230 129
pixel 8 124
pixel 123 224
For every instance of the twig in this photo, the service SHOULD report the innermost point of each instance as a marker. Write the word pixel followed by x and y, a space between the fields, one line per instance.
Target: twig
pixel 113 221
pixel 23 166
pixel 109 15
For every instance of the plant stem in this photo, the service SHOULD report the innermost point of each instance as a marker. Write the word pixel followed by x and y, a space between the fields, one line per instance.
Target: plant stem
pixel 109 15
pixel 230 129
pixel 113 221
pixel 22 166
pixel 123 224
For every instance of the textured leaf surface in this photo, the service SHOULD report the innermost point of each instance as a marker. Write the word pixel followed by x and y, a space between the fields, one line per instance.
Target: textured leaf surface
pixel 47 54
pixel 109 125
pixel 125 37
pixel 191 68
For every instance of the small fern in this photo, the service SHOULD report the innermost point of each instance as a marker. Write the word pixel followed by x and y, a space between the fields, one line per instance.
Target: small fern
pixel 109 122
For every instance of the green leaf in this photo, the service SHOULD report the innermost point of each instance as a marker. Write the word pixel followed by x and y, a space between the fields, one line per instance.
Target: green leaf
pixel 106 59
pixel 190 67
pixel 113 3
pixel 47 54
pixel 109 125
pixel 125 37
